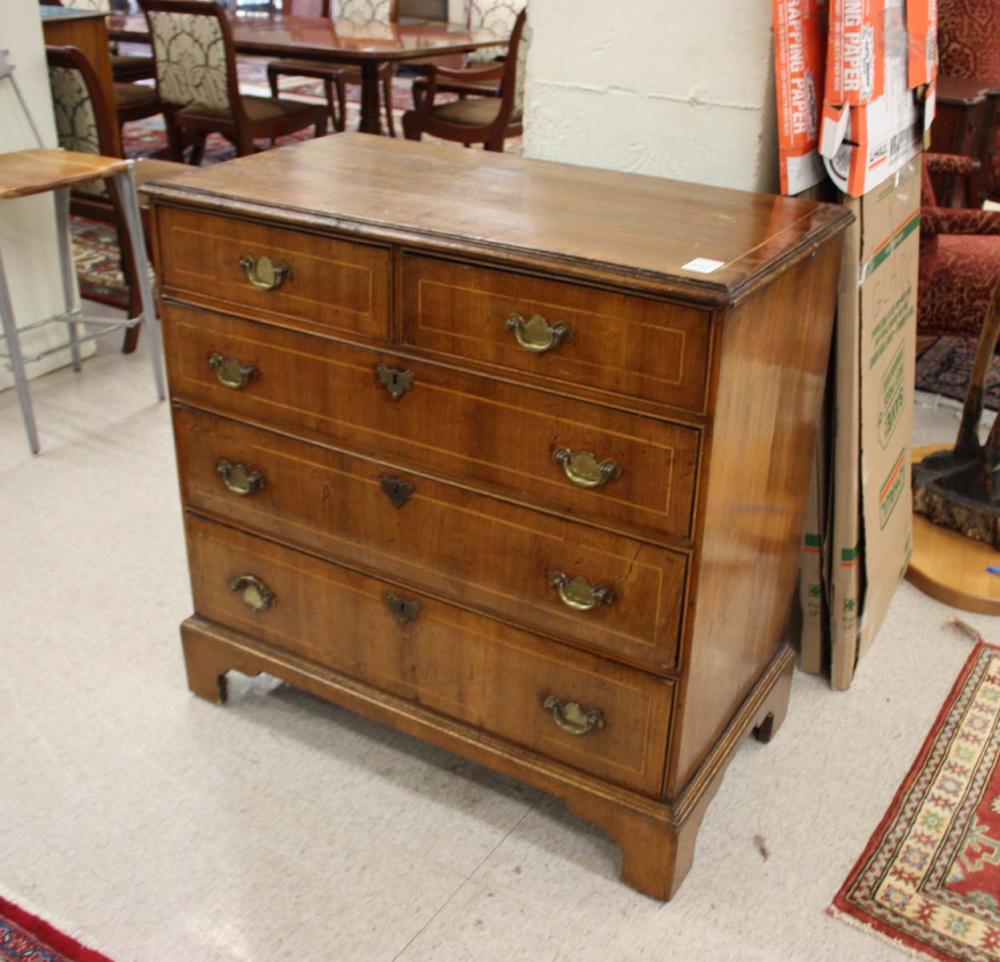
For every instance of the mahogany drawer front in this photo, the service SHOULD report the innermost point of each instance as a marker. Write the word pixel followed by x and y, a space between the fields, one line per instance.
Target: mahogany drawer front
pixel 463 665
pixel 590 338
pixel 470 548
pixel 480 431
pixel 330 285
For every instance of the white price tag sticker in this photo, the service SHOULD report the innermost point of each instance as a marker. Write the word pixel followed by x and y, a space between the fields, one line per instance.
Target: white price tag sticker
pixel 702 265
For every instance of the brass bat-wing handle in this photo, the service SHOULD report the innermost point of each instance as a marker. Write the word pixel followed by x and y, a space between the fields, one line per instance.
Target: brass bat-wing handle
pixel 231 371
pixel 571 717
pixel 255 592
pixel 536 334
pixel 583 468
pixel 265 274
pixel 578 593
pixel 238 479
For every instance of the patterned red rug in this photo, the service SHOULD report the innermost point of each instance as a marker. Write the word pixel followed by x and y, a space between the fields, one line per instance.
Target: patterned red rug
pixel 929 879
pixel 26 938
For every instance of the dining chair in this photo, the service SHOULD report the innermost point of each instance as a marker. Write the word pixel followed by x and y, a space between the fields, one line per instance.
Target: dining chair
pixel 84 124
pixel 487 119
pixel 336 77
pixel 197 83
pixel 124 67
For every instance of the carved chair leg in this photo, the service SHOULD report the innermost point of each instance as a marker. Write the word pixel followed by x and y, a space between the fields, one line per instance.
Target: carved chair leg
pixel 340 121
pixel 967 442
pixel 272 79
pixel 411 125
pixel 387 91
pixel 198 150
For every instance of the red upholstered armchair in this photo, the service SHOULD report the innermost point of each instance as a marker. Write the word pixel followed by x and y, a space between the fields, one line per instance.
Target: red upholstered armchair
pixel 969 47
pixel 959 258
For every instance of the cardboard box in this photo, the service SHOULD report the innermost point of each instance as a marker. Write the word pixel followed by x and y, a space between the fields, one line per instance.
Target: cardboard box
pixel 875 348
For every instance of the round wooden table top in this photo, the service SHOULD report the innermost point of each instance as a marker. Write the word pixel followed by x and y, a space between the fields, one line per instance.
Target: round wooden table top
pixel 950 567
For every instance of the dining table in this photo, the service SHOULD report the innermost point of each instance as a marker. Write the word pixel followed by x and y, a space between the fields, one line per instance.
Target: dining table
pixel 367 45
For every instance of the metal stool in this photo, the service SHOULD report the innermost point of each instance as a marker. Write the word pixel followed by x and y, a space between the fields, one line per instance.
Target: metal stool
pixel 27 172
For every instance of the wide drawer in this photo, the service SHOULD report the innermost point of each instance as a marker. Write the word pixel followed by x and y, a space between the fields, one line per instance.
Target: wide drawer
pixel 463 665
pixel 329 284
pixel 584 337
pixel 513 441
pixel 498 557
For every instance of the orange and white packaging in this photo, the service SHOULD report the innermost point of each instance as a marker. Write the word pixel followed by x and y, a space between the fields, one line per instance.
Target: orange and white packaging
pixel 864 145
pixel 921 25
pixel 855 69
pixel 800 63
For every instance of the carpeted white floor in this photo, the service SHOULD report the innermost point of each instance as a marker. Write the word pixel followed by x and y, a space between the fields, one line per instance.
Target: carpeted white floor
pixel 160 828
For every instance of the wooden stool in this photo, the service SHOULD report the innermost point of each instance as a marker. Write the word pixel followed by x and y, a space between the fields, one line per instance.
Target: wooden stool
pixel 27 172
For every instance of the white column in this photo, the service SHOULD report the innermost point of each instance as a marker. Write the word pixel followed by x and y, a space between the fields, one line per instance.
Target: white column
pixel 668 87
pixel 27 226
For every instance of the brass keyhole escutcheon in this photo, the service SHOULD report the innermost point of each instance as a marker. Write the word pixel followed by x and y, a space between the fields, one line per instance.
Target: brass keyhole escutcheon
pixel 572 717
pixel 263 273
pixel 578 593
pixel 257 595
pixel 396 490
pixel 239 479
pixel 231 371
pixel 396 381
pixel 404 609
pixel 536 335
pixel 583 468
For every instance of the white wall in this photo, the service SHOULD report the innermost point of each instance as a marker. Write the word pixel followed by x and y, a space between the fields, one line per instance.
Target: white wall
pixel 676 88
pixel 27 226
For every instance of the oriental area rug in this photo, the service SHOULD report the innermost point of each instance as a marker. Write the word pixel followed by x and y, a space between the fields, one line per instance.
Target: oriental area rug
pixel 26 938
pixel 929 879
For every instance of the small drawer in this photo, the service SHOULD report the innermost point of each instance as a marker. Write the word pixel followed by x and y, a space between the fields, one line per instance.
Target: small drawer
pixel 581 336
pixel 495 556
pixel 596 715
pixel 304 280
pixel 583 460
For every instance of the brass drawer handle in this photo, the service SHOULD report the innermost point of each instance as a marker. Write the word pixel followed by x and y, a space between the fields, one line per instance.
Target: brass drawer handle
pixel 265 274
pixel 573 718
pixel 231 371
pixel 394 380
pixel 584 469
pixel 578 593
pixel 255 593
pixel 238 479
pixel 536 334
pixel 404 610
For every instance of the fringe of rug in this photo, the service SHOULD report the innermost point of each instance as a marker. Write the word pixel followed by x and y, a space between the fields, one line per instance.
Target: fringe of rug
pixel 901 946
pixel 65 938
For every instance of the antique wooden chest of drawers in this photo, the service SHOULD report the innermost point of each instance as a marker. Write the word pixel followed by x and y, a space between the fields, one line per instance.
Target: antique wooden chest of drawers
pixel 510 455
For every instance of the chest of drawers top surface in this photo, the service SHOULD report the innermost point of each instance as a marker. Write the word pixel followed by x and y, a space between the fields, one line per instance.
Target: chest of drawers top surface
pixel 556 217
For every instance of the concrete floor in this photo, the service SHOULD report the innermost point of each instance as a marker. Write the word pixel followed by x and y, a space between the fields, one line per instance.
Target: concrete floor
pixel 158 827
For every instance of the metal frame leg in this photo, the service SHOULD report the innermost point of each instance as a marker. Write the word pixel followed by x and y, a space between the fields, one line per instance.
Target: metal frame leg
pixel 67 268
pixel 133 224
pixel 17 362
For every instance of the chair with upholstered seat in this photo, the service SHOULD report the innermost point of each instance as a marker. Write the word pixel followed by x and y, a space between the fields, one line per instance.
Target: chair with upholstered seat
pixel 336 77
pixel 84 124
pixel 198 87
pixel 487 119
pixel 493 17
